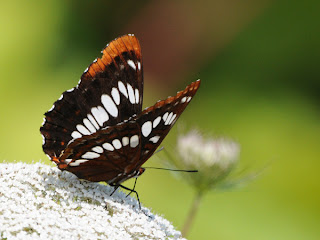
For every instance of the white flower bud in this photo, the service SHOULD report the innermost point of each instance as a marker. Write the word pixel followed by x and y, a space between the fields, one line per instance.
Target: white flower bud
pixel 213 158
pixel 207 153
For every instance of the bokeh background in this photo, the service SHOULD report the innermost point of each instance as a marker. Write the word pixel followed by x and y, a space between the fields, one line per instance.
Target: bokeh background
pixel 259 61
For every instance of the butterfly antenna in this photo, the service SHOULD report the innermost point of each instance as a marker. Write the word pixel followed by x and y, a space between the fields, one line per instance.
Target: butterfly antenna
pixel 173 170
pixel 168 169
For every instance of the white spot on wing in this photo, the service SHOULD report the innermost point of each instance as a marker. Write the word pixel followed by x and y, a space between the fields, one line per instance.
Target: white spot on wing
pixel 188 99
pixel 77 162
pixel 134 141
pixel 172 119
pixel 146 128
pixel 155 139
pixel 97 149
pixel 109 105
pixel 115 95
pixel 68 160
pixel 76 134
pixel 100 115
pixel 90 155
pixel 51 108
pixel 70 90
pixel 44 121
pixel 139 66
pixel 131 94
pixel 89 125
pixel 165 116
pixel 93 122
pixel 136 91
pixel 168 119
pixel 125 141
pixel 108 146
pixel 116 143
pixel 82 129
pixel 156 122
pixel 145 152
pixel 183 100
pixel 122 89
pixel 43 140
pixel 131 64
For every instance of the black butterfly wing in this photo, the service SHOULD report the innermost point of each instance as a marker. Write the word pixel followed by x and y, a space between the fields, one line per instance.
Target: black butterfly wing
pixel 116 153
pixel 105 155
pixel 109 92
pixel 155 122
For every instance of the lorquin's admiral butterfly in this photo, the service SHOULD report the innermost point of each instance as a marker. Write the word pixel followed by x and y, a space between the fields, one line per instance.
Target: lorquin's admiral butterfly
pixel 98 130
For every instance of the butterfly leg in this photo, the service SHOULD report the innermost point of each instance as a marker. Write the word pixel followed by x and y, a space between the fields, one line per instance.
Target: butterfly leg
pixel 115 189
pixel 131 190
pixel 134 186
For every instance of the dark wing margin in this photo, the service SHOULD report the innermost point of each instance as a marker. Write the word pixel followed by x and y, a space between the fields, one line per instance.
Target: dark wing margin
pixel 156 121
pixel 109 92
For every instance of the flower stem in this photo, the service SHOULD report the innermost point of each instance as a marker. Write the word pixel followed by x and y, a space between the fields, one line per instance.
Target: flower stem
pixel 192 213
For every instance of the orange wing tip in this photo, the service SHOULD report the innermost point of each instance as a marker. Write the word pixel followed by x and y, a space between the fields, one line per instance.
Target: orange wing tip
pixel 127 43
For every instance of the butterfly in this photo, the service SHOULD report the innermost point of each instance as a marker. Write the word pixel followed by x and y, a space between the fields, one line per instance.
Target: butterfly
pixel 98 130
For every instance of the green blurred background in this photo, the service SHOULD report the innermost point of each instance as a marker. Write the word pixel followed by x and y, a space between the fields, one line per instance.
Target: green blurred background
pixel 260 70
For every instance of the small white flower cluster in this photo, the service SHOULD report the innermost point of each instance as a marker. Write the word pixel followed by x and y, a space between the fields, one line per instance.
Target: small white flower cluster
pixel 214 158
pixel 41 202
pixel 202 153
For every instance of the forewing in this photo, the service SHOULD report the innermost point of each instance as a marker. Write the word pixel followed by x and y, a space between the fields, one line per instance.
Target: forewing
pixel 105 155
pixel 156 121
pixel 109 92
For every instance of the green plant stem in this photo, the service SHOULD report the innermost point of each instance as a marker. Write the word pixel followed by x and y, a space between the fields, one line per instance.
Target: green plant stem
pixel 192 213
